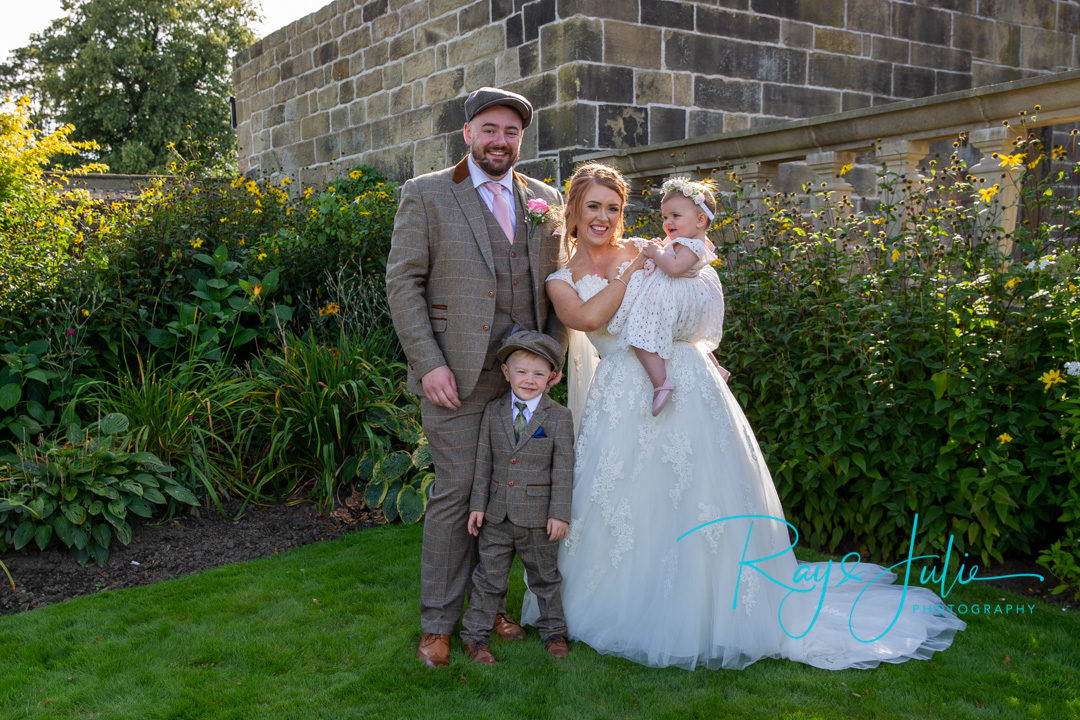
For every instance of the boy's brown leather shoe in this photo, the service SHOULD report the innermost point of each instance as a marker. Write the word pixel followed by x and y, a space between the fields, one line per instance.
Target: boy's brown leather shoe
pixel 507 629
pixel 556 646
pixel 434 649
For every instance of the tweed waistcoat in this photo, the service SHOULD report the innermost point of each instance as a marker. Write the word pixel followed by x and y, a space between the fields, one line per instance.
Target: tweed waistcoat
pixel 513 283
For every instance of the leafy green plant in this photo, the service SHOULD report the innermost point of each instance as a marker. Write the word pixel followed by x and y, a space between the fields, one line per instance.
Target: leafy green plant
pixel 398 483
pixel 80 492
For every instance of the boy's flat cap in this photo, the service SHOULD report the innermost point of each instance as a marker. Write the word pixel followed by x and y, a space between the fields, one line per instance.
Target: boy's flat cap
pixel 535 342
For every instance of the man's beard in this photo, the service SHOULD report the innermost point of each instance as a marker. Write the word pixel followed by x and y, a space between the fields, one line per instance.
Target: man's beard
pixel 486 164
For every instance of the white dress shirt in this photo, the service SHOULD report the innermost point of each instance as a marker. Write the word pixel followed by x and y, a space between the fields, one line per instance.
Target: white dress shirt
pixel 530 406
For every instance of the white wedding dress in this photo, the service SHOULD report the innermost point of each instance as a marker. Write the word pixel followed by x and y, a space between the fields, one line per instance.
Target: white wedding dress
pixel 636 585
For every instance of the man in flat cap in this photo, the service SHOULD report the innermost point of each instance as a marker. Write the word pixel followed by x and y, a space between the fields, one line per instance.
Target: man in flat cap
pixel 463 273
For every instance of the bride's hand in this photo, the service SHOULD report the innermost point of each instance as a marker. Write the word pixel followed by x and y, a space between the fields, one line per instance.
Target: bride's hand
pixel 636 264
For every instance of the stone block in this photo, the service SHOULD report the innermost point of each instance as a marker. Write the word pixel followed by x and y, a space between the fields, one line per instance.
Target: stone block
pixel 706 122
pixel 456 148
pixel 985 74
pixel 946 82
pixel 478 44
pixel 730 95
pixel 923 24
pixel 326 97
pixel 529 145
pixel 440 58
pixel 743 26
pixel 890 49
pixel 574 39
pixel 795 34
pixel 326 149
pixel 296 107
pixel 664 13
pixel 368 84
pixel 666 124
pixel 314 125
pixel 441 7
pixel 413 14
pixel 384 28
pixel 298 155
pixel 793 101
pixel 535 15
pixel 540 89
pixel 268 79
pixel 429 155
pixel 309 82
pixel 869 16
pixel 444 86
pixel 835 71
pixel 415 124
pixel 1068 17
pixel 354 140
pixel 682 85
pixel 684 51
pixel 285 135
pixel 1046 49
pixel 357 114
pixel 436 31
pixel 973 34
pixel 326 53
pixel 855 101
pixel 811 11
pixel 912 82
pixel 603 83
pixel 542 168
pixel 967 7
pixel 1007 44
pixel 480 74
pixel 400 46
pixel 395 163
pixel 400 100
pixel 340 69
pixel 274 116
pixel 501 9
pixel 627 10
pixel 515 31
pixel 420 65
pixel 622 126
pixel 385 133
pixel 566 126
pixel 838 41
pixel 941 58
pixel 652 87
pixel 474 16
pixel 374 9
pixel 449 116
pixel 632 45
pixel 507 69
pixel 377 106
pixel 376 55
pixel 391 75
pixel 529 58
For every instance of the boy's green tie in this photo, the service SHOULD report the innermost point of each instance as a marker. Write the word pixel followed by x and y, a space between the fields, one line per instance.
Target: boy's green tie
pixel 519 421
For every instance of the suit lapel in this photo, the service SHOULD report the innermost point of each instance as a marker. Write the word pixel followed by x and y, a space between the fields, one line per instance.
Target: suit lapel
pixel 507 423
pixel 473 209
pixel 532 244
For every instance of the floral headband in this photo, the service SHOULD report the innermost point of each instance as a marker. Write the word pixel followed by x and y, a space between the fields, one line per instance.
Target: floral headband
pixel 692 190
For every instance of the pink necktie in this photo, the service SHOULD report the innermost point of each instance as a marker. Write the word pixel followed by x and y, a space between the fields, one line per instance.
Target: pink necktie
pixel 501 210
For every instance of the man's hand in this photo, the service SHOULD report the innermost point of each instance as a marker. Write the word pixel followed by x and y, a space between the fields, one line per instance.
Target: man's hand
pixel 556 529
pixel 440 388
pixel 555 379
pixel 476 519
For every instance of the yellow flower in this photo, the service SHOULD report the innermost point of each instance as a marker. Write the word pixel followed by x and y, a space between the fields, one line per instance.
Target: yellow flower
pixel 1058 152
pixel 1050 378
pixel 355 174
pixel 261 256
pixel 308 190
pixel 256 290
pixel 332 308
pixel 845 169
pixel 1004 438
pixel 895 255
pixel 196 243
pixel 987 193
pixel 85 312
pixel 1008 161
pixel 1012 283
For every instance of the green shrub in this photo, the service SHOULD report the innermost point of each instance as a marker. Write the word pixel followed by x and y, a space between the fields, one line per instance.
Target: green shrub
pixel 78 492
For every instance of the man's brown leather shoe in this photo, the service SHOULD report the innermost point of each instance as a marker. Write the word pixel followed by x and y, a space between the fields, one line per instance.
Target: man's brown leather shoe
pixel 556 646
pixel 434 649
pixel 507 629
pixel 478 652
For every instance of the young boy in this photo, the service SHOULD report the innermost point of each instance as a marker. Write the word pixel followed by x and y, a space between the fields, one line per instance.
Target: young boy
pixel 521 493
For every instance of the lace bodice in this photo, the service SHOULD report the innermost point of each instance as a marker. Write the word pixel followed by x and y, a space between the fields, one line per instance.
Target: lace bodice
pixel 586 287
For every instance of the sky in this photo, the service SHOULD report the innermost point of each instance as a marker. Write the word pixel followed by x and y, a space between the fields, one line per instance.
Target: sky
pixel 22 18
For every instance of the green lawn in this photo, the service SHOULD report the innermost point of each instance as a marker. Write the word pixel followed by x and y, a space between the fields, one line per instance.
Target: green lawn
pixel 329 631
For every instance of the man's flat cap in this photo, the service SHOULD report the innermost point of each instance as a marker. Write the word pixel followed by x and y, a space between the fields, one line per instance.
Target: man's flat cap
pixel 485 97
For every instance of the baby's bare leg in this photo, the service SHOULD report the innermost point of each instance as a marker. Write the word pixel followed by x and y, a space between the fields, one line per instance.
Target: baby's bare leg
pixel 654 366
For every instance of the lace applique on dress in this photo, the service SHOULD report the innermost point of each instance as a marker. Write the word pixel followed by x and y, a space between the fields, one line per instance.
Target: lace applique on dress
pixel 677 452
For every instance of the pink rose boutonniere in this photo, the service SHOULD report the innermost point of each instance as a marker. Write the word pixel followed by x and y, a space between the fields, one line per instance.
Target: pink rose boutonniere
pixel 538 211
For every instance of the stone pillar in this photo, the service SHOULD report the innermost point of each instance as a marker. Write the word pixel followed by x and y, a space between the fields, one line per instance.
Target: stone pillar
pixel 999 210
pixel 755 176
pixel 828 167
pixel 900 159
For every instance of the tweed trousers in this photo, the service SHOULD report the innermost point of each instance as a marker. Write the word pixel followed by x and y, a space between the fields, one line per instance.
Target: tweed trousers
pixel 449 555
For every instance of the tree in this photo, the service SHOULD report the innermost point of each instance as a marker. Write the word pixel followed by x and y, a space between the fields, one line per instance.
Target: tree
pixel 145 79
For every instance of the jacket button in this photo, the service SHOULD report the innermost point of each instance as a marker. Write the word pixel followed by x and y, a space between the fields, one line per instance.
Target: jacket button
pixel 491 293
pixel 486 327
pixel 515 283
pixel 510 484
pixel 513 461
pixel 513 255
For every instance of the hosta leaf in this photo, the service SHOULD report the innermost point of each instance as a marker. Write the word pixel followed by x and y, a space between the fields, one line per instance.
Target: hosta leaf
pixel 421 456
pixel 123 533
pixel 389 506
pixel 374 494
pixel 182 494
pixel 102 534
pixel 10 395
pixel 75 513
pixel 154 495
pixel 393 466
pixel 23 534
pixel 79 538
pixel 114 423
pixel 42 536
pixel 411 503
pixel 140 507
pixel 62 528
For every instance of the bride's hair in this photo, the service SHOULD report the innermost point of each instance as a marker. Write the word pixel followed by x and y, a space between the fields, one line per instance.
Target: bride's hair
pixel 583 178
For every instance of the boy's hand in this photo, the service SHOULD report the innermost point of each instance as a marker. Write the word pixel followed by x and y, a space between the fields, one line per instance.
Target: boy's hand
pixel 556 529
pixel 476 519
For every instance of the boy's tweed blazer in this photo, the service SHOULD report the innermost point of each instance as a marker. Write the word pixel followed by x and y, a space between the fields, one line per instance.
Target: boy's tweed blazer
pixel 530 480
pixel 440 275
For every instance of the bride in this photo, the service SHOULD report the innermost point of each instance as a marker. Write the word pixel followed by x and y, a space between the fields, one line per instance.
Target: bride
pixel 678 551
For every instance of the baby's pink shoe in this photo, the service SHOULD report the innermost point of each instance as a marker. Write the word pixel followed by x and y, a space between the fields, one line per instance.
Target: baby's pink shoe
pixel 661 395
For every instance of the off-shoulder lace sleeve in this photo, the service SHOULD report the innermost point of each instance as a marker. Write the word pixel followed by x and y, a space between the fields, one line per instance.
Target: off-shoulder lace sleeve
pixel 563 274
pixel 698 246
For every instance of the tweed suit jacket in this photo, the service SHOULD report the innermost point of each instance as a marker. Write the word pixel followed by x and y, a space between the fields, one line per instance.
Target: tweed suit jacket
pixel 529 480
pixel 440 274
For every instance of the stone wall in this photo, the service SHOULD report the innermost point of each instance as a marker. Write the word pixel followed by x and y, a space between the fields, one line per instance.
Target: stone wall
pixel 382 82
